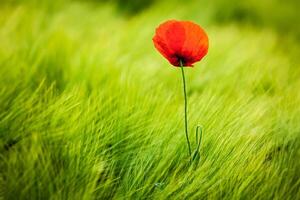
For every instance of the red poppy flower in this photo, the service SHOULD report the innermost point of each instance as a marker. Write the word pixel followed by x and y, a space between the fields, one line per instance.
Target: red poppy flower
pixel 182 41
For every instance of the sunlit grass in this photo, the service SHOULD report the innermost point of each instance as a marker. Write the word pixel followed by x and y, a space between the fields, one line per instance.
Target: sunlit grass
pixel 88 108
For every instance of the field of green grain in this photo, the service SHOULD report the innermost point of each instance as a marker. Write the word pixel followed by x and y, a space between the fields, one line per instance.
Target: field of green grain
pixel 90 110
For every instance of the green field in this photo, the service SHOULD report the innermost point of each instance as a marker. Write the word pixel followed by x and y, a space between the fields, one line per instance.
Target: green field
pixel 90 110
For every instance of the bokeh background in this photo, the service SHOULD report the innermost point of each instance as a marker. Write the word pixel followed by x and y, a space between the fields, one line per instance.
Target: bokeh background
pixel 90 110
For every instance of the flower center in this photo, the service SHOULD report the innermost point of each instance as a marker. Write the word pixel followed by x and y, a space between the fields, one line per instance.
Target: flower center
pixel 181 59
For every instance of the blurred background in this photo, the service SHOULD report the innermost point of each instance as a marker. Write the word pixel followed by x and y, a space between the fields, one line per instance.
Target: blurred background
pixel 90 110
pixel 123 29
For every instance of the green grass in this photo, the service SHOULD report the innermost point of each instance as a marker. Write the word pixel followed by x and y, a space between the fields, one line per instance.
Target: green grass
pixel 90 110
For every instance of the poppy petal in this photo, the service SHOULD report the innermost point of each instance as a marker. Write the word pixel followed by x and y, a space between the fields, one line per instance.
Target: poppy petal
pixel 181 40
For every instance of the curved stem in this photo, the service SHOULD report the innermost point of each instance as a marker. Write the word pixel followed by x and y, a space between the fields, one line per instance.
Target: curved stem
pixel 185 110
pixel 198 141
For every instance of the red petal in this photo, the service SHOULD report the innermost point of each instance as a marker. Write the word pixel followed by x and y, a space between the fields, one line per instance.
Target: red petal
pixel 196 44
pixel 169 39
pixel 181 40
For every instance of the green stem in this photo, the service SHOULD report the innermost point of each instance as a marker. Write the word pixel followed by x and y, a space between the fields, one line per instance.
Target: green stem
pixel 185 110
